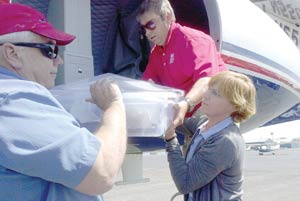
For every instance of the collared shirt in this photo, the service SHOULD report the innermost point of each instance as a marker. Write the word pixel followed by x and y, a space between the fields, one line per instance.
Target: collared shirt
pixel 188 55
pixel 44 152
pixel 205 134
pixel 7 74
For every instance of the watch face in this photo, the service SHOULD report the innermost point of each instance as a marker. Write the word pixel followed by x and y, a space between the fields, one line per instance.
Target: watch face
pixel 190 104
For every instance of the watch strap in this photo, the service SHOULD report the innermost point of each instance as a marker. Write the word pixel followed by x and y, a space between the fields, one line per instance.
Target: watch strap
pixel 191 106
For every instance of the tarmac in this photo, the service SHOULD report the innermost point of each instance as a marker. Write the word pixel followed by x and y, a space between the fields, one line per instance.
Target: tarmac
pixel 267 178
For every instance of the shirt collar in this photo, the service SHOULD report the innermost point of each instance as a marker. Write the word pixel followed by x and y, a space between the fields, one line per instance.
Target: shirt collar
pixel 8 74
pixel 216 128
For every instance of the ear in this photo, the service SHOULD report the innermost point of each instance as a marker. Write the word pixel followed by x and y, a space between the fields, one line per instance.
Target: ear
pixel 11 54
pixel 169 17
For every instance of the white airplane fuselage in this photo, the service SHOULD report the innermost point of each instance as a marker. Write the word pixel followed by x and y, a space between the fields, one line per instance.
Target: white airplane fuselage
pixel 286 13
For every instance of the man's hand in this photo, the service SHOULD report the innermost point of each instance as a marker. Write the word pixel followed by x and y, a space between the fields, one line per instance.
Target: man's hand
pixel 104 93
pixel 181 109
pixel 111 133
pixel 170 132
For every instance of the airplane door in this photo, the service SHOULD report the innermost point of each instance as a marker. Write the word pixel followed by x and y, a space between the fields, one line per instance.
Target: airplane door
pixel 214 20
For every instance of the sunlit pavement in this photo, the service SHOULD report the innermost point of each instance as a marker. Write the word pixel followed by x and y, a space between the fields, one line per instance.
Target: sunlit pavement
pixel 267 178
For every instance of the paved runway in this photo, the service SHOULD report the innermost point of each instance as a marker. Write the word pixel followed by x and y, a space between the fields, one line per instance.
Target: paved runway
pixel 267 178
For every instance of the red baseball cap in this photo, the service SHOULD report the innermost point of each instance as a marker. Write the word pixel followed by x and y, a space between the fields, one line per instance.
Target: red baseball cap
pixel 17 17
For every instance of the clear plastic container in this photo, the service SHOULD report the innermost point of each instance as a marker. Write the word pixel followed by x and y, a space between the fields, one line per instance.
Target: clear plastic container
pixel 149 107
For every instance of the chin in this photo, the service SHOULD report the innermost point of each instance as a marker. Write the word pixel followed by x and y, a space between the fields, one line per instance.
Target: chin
pixel 50 85
pixel 160 44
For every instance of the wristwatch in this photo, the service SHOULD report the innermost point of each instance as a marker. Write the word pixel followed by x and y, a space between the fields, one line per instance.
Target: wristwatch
pixel 191 105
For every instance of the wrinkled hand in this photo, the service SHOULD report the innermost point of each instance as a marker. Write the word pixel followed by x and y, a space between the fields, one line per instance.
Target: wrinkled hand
pixel 105 92
pixel 180 111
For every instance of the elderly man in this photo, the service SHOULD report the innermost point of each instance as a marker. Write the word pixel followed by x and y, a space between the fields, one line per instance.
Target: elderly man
pixel 45 154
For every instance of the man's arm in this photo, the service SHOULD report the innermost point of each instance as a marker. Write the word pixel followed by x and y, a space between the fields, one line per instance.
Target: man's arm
pixel 198 89
pixel 195 95
pixel 113 137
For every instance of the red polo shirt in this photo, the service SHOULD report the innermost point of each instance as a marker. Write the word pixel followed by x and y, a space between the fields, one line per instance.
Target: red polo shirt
pixel 188 55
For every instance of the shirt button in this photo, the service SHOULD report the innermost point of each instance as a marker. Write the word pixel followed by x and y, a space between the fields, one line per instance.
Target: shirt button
pixel 164 63
pixel 164 54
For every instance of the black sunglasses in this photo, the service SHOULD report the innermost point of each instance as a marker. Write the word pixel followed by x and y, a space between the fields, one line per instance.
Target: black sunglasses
pixel 48 50
pixel 150 25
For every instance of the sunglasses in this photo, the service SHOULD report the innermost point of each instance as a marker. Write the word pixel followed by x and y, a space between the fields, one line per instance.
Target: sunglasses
pixel 48 50
pixel 150 25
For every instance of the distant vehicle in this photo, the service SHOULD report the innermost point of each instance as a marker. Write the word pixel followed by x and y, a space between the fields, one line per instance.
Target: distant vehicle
pixel 265 146
pixel 268 148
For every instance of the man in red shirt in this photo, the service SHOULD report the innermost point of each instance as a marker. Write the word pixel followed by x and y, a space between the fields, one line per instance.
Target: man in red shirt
pixel 182 57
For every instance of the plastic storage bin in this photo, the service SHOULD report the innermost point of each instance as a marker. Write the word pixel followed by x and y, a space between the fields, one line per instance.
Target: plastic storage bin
pixel 149 107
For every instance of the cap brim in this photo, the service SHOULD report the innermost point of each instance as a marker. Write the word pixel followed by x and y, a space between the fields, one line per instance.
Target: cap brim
pixel 60 37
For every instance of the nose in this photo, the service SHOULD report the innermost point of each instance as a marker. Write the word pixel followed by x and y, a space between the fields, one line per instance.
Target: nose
pixel 58 61
pixel 147 33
